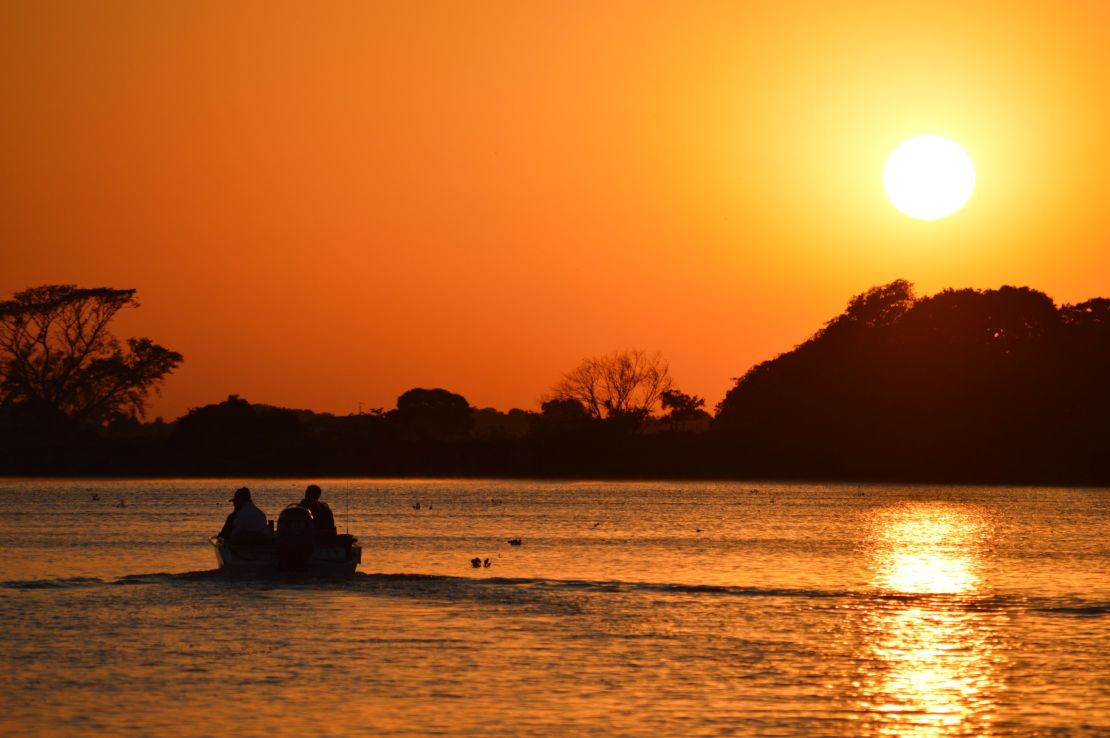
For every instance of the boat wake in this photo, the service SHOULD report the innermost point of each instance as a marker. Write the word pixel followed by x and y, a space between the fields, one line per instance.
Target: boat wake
pixel 62 583
pixel 509 590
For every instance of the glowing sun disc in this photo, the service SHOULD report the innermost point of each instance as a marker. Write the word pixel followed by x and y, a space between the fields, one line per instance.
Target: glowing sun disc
pixel 928 177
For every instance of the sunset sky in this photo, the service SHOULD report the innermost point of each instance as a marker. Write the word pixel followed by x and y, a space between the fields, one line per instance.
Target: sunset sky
pixel 323 204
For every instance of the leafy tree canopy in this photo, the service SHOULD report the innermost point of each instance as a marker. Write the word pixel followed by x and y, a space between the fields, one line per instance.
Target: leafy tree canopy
pixel 433 414
pixel 59 358
pixel 961 384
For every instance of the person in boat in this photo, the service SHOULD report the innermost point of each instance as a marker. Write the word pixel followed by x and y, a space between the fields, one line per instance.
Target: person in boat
pixel 246 523
pixel 322 516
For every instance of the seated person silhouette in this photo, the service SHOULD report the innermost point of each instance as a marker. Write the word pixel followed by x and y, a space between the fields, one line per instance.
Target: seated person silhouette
pixel 321 513
pixel 246 523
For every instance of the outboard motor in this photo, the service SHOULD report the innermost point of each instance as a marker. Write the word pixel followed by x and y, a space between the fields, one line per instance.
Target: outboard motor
pixel 296 536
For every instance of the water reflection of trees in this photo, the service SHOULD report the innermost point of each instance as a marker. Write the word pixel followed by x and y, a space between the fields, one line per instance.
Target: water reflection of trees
pixel 928 650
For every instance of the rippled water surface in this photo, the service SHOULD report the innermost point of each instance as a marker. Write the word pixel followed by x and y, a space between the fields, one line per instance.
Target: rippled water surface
pixel 631 609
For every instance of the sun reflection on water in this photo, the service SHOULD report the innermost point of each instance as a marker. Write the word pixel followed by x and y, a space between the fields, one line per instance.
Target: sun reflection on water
pixel 928 549
pixel 930 646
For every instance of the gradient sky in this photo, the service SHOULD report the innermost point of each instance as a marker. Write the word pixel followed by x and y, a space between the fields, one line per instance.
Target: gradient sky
pixel 323 204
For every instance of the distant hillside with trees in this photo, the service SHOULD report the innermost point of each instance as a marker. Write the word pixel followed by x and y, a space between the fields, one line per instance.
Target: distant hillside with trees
pixel 969 385
pixel 998 386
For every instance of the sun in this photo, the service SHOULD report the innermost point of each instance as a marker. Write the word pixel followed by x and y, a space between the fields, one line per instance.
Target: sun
pixel 928 177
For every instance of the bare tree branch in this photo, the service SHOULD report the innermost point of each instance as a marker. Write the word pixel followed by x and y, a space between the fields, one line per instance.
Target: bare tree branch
pixel 624 383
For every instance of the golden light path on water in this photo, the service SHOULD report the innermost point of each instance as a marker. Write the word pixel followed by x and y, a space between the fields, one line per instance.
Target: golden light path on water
pixel 931 645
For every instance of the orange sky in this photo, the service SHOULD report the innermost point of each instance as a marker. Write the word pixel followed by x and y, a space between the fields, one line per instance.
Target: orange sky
pixel 322 207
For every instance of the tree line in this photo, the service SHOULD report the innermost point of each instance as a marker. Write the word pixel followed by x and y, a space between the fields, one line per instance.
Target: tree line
pixel 962 386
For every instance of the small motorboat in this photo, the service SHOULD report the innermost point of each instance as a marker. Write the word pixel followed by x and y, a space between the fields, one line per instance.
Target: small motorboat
pixel 339 554
pixel 297 547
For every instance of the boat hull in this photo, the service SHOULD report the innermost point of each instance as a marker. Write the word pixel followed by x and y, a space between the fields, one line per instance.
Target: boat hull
pixel 262 558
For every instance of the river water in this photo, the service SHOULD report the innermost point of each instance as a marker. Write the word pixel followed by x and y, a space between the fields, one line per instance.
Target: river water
pixel 630 609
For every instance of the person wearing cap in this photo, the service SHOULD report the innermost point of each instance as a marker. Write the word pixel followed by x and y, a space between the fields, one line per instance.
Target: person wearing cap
pixel 322 516
pixel 246 521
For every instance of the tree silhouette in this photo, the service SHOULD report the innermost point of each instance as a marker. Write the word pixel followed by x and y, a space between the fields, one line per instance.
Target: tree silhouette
pixel 433 415
pixel 235 436
pixel 565 413
pixel 881 305
pixel 618 386
pixel 681 410
pixel 59 359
